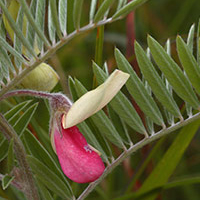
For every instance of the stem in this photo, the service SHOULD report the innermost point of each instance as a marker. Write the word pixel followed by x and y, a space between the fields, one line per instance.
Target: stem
pixel 134 148
pixel 33 93
pixel 28 184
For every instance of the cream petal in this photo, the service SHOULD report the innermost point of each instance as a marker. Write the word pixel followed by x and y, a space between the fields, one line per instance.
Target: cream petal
pixel 95 100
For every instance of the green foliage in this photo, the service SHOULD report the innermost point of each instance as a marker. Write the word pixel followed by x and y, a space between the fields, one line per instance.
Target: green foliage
pixel 166 93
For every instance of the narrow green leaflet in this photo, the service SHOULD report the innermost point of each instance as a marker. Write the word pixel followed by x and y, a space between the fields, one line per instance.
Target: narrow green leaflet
pixel 6 181
pixel 4 66
pixel 189 63
pixel 33 23
pixel 101 120
pixel 49 178
pixel 3 149
pixel 138 90
pixel 46 195
pixel 78 6
pixel 17 42
pixel 39 152
pixel 198 43
pixel 54 13
pixel 190 39
pixel 51 27
pixel 62 7
pixel 24 119
pixel 170 160
pixel 10 158
pixel 121 105
pixel 16 29
pixel 6 46
pixel 72 88
pixel 6 61
pixel 128 8
pixel 30 31
pixel 170 117
pixel 120 4
pixel 155 81
pixel 102 10
pixel 92 9
pixel 12 114
pixel 40 18
pixel 173 73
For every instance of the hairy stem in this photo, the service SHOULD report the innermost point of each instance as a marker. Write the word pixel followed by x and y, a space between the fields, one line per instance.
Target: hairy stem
pixel 32 93
pixel 134 148
pixel 28 181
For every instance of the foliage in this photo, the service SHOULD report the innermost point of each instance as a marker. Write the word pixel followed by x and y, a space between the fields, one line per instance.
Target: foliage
pixel 160 97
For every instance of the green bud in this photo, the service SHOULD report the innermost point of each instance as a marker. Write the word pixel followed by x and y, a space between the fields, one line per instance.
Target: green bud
pixel 42 78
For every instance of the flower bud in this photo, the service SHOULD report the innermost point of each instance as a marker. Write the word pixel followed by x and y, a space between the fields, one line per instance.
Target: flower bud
pixel 42 78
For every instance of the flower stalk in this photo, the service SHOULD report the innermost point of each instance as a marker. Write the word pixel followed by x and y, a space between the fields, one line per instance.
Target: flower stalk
pixel 27 183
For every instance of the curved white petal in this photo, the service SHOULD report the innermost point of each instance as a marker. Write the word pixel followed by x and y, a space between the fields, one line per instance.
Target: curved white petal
pixel 95 100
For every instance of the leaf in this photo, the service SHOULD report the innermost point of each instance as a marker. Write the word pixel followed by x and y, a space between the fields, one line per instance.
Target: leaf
pixel 173 73
pixel 17 42
pixel 30 32
pixel 198 43
pixel 33 23
pixel 189 63
pixel 51 27
pixel 24 120
pixel 138 90
pixel 6 181
pixel 49 178
pixel 155 81
pixel 170 160
pixel 121 104
pixel 128 8
pixel 54 13
pixel 102 10
pixel 190 39
pixel 46 195
pixel 101 120
pixel 40 18
pixel 63 16
pixel 3 149
pixel 16 29
pixel 13 114
pixel 78 6
pixel 6 46
pixel 92 9
pixel 10 158
pixel 39 152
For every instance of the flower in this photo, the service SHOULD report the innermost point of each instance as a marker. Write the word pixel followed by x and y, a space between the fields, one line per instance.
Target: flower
pixel 79 161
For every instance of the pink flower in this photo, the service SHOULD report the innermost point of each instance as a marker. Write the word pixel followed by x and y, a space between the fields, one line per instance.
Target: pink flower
pixel 78 161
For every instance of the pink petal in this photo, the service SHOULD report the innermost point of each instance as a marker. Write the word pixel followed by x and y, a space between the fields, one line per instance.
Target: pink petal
pixel 78 161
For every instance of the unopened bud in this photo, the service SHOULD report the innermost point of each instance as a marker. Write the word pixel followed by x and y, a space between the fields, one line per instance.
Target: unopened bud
pixel 42 78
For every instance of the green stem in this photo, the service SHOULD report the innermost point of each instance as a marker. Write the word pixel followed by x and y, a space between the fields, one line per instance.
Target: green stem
pixel 29 185
pixel 134 148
